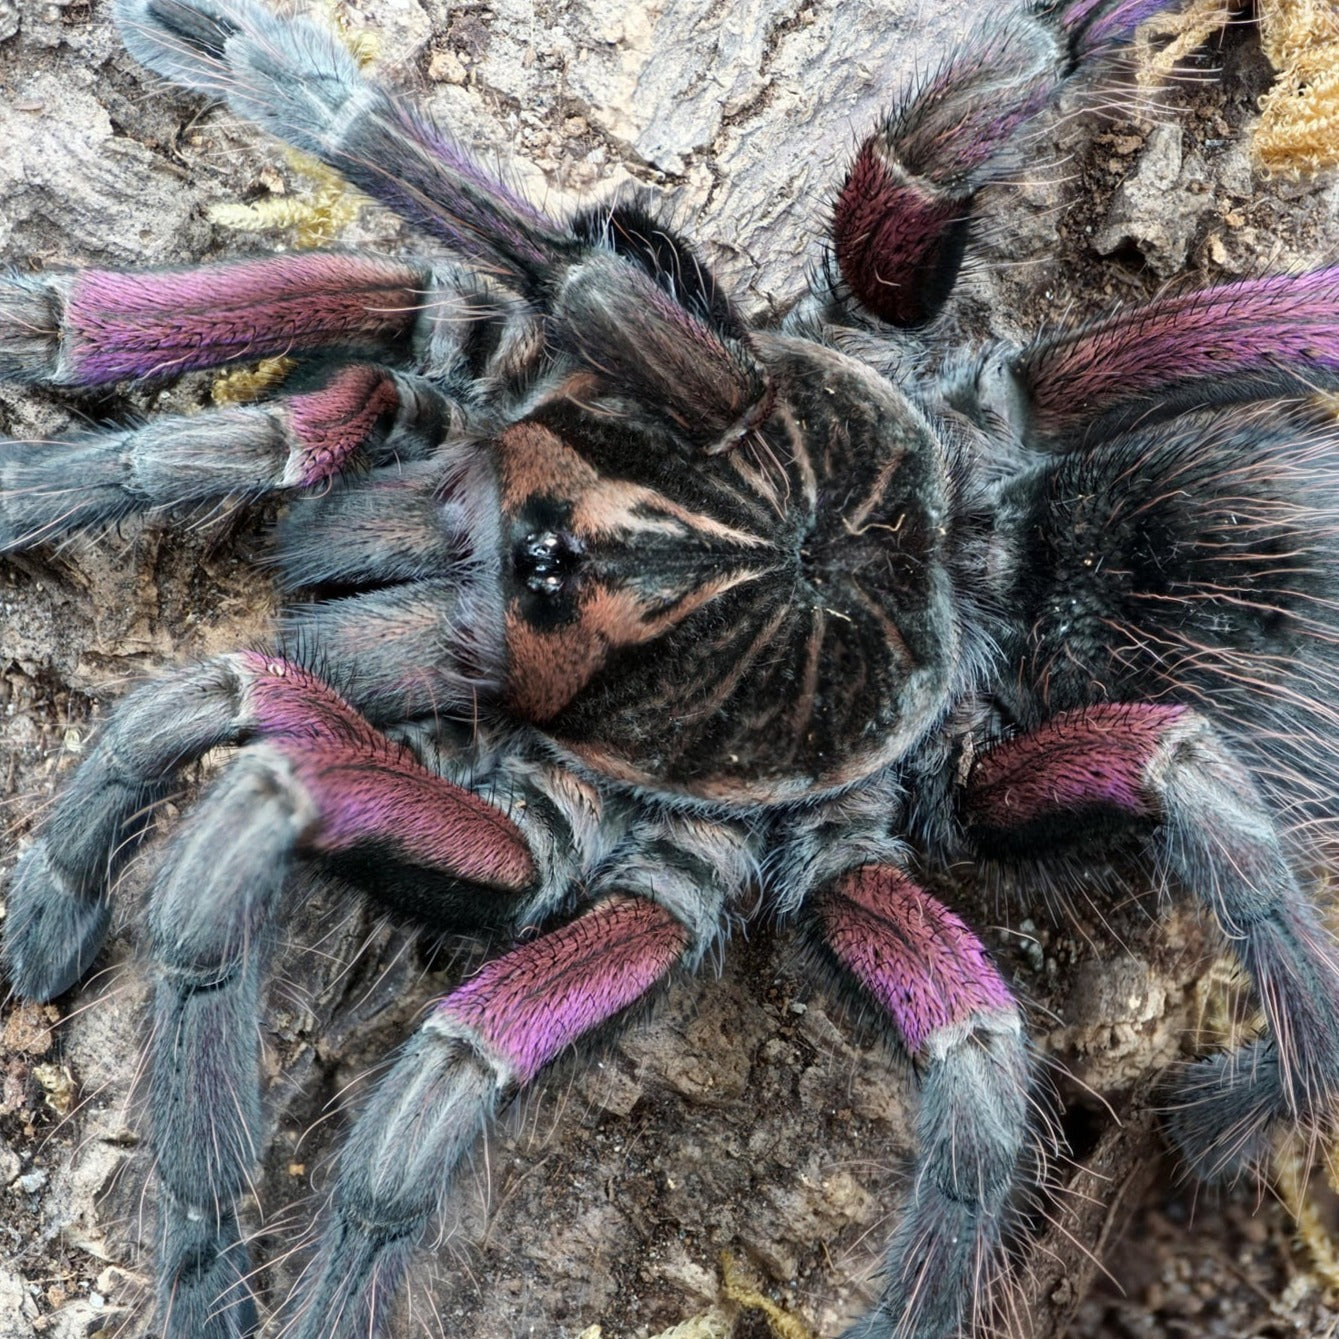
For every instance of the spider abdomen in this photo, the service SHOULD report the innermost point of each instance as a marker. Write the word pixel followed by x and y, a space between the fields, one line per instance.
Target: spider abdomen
pixel 1194 562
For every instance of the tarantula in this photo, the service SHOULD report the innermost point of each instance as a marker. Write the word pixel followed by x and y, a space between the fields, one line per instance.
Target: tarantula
pixel 629 614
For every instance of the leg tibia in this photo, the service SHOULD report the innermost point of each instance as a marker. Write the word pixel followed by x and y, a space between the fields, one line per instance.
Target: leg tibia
pixel 528 1013
pixel 922 964
pixel 1257 339
pixel 951 1011
pixel 100 326
pixel 1167 764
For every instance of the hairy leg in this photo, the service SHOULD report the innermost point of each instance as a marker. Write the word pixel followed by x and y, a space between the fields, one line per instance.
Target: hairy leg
pixel 1167 764
pixel 606 272
pixel 483 1042
pixel 951 1012
pixel 1253 340
pixel 902 217
pixel 343 418
pixel 315 782
pixel 92 327
pixel 366 799
pixel 297 80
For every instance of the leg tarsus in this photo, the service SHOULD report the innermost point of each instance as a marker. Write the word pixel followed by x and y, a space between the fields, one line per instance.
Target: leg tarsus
pixel 53 931
pixel 206 1295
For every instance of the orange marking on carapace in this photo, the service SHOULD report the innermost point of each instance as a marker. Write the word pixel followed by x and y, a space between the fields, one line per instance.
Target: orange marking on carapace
pixel 546 669
pixel 538 463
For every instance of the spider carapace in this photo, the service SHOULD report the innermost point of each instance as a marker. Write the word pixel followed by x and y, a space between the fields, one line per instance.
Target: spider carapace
pixel 749 625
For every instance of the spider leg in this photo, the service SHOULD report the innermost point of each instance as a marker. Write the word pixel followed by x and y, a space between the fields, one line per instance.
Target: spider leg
pixel 316 781
pixel 408 522
pixel 1168 764
pixel 59 901
pixel 347 416
pixel 903 215
pixel 362 804
pixel 1256 339
pixel 608 271
pixel 297 80
pixel 93 327
pixel 209 927
pixel 483 1042
pixel 952 1013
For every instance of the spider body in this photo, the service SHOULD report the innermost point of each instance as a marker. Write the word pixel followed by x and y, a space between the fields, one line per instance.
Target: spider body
pixel 632 613
pixel 741 579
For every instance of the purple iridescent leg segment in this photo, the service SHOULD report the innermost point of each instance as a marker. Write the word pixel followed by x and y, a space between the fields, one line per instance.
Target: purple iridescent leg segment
pixel 372 800
pixel 901 220
pixel 101 326
pixel 365 800
pixel 48 489
pixel 314 779
pixel 486 1039
pixel 1167 765
pixel 1258 339
pixel 951 1011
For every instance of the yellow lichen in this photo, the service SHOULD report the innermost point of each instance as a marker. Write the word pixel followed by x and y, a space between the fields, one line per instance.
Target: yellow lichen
pixel 318 213
pixel 1293 1158
pixel 741 1290
pixel 1299 116
pixel 244 384
pixel 715 1323
pixel 1189 29
pixel 1298 131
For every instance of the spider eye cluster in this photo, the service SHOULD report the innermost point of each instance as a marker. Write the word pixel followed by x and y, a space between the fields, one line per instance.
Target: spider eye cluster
pixel 546 560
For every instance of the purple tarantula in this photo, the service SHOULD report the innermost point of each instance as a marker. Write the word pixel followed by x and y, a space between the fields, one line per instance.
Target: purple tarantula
pixel 627 615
